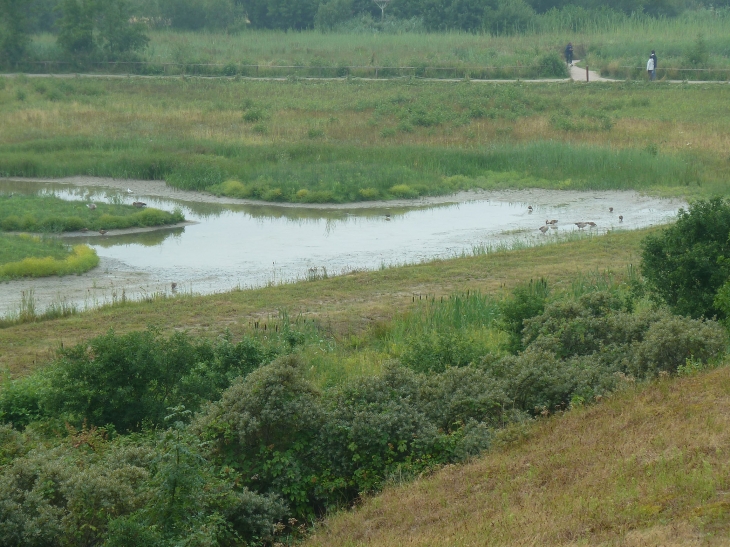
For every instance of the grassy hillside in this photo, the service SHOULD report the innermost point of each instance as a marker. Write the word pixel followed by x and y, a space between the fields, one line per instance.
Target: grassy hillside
pixel 647 467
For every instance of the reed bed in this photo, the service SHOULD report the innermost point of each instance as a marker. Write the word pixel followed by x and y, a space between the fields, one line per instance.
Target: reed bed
pixel 339 141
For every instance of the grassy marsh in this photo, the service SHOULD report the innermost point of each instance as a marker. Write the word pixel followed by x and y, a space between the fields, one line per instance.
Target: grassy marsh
pixel 51 214
pixel 348 141
pixel 28 256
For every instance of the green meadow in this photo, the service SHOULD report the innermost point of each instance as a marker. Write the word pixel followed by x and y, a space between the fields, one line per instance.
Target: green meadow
pixel 29 256
pixel 344 141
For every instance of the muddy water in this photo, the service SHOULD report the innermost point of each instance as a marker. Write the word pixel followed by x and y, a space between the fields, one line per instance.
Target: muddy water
pixel 231 246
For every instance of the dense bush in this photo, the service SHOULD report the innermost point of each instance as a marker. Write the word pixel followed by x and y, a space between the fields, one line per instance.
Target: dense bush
pixel 156 490
pixel 687 263
pixel 99 29
pixel 130 380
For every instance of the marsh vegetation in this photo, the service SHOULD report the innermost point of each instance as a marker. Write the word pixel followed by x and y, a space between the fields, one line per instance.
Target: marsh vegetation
pixel 29 256
pixel 367 140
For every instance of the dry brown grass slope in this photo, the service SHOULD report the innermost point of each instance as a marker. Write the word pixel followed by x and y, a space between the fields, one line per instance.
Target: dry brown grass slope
pixel 646 468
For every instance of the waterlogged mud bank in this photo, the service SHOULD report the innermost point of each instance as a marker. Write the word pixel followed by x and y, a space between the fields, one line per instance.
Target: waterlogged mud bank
pixel 232 243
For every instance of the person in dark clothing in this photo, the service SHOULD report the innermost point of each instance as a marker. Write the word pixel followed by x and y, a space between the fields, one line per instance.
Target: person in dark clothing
pixel 653 72
pixel 569 54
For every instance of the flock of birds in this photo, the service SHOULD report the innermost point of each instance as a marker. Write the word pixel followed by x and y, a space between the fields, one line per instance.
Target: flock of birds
pixel 92 206
pixel 554 223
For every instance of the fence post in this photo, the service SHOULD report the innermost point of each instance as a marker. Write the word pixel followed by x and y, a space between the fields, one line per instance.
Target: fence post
pixel 587 73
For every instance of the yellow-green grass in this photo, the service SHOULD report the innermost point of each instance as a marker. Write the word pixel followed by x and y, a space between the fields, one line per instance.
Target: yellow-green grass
pixel 647 467
pixel 28 256
pixel 346 308
pixel 340 141
pixel 602 40
pixel 32 213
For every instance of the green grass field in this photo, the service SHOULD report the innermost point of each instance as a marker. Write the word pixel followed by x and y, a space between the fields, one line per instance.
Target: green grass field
pixel 350 141
pixel 27 256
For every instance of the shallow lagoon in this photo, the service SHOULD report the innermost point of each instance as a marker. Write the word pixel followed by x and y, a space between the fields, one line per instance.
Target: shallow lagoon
pixel 237 246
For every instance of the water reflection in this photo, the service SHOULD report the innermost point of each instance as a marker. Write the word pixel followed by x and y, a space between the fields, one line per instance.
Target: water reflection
pixel 251 245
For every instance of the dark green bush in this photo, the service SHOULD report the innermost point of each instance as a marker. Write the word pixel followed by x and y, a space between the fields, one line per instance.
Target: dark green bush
pixel 672 340
pixel 527 300
pixel 130 380
pixel 687 263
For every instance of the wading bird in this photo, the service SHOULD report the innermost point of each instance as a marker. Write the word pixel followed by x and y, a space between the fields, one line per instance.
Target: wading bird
pixel 591 224
pixel 529 208
pixel 139 204
pixel 610 209
pixel 581 225
pixel 91 206
pixel 102 232
pixel 620 218
pixel 544 229
pixel 173 286
pixel 551 222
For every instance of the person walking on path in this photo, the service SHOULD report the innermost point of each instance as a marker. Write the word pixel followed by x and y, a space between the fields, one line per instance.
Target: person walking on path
pixel 650 68
pixel 653 72
pixel 569 54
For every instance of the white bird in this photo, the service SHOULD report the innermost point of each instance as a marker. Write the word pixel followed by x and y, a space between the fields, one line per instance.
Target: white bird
pixel 91 206
pixel 129 190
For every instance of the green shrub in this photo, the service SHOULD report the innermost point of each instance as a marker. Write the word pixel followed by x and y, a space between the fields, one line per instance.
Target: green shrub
pixel 687 263
pixel 254 115
pixel 527 301
pixel 671 341
pixel 265 426
pixel 130 380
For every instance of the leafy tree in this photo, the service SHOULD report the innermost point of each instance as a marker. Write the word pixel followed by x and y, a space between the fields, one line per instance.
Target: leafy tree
pixel 332 12
pixel 103 27
pixel 687 263
pixel 13 31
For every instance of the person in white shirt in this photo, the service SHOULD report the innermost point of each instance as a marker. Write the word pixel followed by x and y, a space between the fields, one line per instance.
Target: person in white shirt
pixel 650 68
